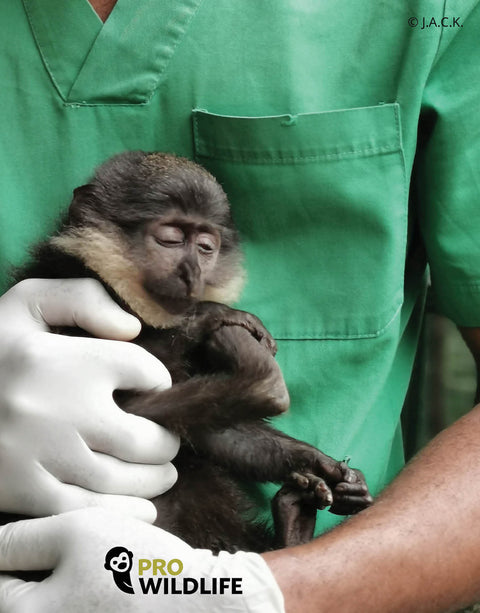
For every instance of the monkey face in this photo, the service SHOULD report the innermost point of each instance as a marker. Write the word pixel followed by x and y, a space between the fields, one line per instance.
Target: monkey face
pixel 179 260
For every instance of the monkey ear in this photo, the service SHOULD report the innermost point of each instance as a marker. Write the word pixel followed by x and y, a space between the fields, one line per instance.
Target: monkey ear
pixel 83 204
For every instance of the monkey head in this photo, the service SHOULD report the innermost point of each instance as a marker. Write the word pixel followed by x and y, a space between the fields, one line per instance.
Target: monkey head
pixel 158 230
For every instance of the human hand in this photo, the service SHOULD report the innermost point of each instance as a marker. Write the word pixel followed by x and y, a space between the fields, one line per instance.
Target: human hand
pixel 75 545
pixel 64 443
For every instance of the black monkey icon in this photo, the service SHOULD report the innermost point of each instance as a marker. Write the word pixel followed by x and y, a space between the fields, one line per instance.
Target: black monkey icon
pixel 120 561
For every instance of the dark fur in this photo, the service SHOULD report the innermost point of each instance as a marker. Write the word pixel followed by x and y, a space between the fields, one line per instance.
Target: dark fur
pixel 226 382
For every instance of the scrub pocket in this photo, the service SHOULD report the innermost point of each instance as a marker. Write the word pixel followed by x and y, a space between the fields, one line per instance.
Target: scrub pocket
pixel 321 203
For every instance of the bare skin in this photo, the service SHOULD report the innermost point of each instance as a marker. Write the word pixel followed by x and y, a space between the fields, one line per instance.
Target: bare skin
pixel 416 550
pixel 103 8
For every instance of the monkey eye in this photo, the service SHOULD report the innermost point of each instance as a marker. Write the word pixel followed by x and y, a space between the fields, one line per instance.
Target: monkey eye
pixel 207 244
pixel 169 236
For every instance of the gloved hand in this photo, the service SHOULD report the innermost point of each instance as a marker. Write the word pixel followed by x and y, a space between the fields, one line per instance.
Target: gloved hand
pixel 75 544
pixel 64 443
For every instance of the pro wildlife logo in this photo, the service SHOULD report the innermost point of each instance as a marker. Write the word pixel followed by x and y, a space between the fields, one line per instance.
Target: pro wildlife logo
pixel 120 561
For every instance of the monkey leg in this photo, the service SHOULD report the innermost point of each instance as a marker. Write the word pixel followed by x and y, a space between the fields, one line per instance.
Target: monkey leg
pixel 235 348
pixel 258 452
pixel 252 388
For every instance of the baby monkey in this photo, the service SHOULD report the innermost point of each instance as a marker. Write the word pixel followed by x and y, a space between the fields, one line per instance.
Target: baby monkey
pixel 157 231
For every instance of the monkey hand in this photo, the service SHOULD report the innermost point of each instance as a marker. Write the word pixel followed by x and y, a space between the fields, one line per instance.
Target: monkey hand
pixel 81 547
pixel 207 318
pixel 350 495
pixel 64 443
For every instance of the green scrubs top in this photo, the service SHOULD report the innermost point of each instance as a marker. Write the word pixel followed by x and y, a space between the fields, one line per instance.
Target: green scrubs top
pixel 346 135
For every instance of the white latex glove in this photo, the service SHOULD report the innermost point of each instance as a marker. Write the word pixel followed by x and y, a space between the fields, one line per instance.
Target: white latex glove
pixel 75 545
pixel 64 443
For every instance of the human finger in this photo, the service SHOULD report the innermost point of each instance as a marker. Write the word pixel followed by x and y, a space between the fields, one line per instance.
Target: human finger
pixel 128 366
pixel 71 497
pixel 29 545
pixel 43 495
pixel 78 302
pixel 11 591
pixel 131 438
pixel 104 474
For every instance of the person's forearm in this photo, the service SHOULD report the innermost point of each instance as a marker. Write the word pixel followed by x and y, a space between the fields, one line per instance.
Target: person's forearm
pixel 417 549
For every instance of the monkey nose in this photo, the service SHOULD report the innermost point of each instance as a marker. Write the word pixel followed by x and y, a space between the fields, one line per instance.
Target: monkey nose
pixel 189 273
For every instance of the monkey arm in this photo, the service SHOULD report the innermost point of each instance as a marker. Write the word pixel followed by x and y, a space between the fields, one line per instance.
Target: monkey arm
pixel 237 448
pixel 286 460
pixel 415 550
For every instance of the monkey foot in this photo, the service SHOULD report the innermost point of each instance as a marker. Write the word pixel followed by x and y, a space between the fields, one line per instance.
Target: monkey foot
pixel 255 327
pixel 209 317
pixel 311 489
pixel 294 517
pixel 346 497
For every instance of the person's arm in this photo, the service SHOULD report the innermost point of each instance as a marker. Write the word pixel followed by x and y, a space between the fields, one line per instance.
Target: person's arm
pixel 64 443
pixel 416 550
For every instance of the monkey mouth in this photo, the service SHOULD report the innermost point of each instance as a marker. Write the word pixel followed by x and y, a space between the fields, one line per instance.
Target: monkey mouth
pixel 175 305
pixel 175 298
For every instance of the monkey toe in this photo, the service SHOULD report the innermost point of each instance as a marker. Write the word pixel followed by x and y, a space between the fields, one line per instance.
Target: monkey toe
pixel 255 327
pixel 313 489
pixel 263 336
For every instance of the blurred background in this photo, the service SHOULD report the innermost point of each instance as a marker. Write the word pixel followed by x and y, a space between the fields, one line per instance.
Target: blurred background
pixel 443 383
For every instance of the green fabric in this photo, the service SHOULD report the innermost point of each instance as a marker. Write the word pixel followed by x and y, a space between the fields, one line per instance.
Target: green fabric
pixel 317 117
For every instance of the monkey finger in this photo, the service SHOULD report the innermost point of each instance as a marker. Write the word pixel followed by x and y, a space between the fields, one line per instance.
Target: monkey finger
pixel 351 475
pixel 350 505
pixel 131 438
pixel 353 489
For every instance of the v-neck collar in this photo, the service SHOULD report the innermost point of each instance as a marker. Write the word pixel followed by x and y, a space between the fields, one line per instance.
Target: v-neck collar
pixel 117 62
